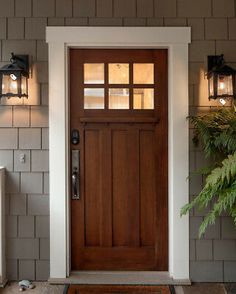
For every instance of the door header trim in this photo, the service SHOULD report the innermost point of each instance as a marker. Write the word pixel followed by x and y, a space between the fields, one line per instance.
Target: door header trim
pixel 176 40
pixel 92 36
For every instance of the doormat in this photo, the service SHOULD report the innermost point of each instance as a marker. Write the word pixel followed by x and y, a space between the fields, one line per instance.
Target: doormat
pixel 125 289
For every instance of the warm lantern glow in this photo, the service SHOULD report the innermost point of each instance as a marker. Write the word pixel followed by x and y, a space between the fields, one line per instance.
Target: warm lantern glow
pixel 221 79
pixel 211 86
pixel 24 85
pixel 14 77
pixel 225 86
pixel 221 83
pixel 9 85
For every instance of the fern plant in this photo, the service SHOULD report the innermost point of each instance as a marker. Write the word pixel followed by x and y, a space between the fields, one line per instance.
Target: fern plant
pixel 216 131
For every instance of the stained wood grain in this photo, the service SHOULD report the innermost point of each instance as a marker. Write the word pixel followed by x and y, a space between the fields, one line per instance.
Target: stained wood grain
pixel 121 220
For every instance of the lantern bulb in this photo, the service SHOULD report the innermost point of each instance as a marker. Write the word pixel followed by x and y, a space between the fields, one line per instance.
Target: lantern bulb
pixel 13 85
pixel 222 85
pixel 13 77
pixel 222 101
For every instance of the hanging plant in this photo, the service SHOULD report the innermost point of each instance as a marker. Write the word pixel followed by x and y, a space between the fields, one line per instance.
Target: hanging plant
pixel 216 131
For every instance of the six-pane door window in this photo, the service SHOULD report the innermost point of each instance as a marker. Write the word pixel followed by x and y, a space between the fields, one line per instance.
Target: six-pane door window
pixel 124 85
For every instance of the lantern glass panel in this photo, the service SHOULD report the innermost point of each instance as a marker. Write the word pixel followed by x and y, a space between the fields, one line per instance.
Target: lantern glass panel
pixel 24 85
pixel 225 85
pixel 211 86
pixel 9 84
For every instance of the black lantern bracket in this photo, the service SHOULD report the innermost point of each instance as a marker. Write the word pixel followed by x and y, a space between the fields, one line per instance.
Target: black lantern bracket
pixel 214 61
pixel 22 61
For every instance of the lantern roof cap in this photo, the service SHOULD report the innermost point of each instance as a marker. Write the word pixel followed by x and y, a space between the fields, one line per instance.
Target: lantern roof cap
pixel 223 69
pixel 216 65
pixel 11 67
pixel 19 63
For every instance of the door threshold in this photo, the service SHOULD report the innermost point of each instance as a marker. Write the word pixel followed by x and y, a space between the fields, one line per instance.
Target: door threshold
pixel 119 278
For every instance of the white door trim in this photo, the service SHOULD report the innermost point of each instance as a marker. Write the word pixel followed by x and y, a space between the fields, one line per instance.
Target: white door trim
pixel 176 40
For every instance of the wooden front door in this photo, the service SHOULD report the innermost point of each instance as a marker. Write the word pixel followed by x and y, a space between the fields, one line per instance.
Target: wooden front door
pixel 118 107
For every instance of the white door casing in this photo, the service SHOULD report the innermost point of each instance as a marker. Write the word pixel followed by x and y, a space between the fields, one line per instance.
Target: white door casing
pixel 176 40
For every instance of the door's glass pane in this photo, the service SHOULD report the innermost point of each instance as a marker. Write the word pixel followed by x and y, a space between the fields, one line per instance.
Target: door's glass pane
pixel 94 73
pixel 118 73
pixel 118 98
pixel 143 73
pixel 143 99
pixel 93 98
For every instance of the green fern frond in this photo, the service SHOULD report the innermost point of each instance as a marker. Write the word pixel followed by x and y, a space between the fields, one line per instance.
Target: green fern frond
pixel 226 201
pixel 216 131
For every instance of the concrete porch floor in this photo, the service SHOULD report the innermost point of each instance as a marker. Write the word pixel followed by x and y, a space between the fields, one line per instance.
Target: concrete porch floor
pixel 196 288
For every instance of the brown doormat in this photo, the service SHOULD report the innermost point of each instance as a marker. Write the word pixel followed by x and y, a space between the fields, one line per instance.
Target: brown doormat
pixel 125 289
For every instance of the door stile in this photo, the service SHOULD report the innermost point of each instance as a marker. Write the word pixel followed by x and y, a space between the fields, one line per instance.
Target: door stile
pixel 162 164
pixel 77 211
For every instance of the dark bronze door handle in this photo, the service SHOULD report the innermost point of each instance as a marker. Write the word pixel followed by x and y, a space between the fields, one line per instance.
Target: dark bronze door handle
pixel 75 178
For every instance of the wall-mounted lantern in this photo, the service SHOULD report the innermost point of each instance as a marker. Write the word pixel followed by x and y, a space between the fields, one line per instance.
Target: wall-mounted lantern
pixel 14 77
pixel 221 79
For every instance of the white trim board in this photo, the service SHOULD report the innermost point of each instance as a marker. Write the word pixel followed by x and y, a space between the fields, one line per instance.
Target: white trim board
pixel 176 40
pixel 3 278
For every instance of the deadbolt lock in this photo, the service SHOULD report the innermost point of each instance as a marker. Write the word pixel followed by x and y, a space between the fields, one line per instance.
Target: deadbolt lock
pixel 75 137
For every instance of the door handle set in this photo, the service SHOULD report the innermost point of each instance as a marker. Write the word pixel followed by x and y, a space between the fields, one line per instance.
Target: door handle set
pixel 75 177
pixel 75 186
